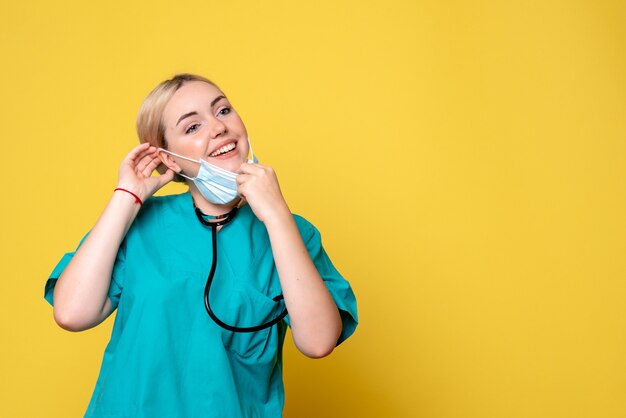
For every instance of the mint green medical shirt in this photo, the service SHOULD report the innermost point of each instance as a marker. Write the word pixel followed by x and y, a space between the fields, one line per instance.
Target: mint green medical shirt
pixel 166 357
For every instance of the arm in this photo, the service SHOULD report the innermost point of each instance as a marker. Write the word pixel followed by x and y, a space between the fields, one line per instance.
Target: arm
pixel 315 319
pixel 80 295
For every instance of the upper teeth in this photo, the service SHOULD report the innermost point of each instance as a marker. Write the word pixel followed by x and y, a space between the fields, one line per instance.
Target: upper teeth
pixel 222 150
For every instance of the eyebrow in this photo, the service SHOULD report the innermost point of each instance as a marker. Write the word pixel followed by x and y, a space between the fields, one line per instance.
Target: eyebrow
pixel 186 115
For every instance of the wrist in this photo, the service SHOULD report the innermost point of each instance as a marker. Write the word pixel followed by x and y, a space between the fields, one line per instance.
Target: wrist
pixel 124 206
pixel 130 193
pixel 280 216
pixel 140 190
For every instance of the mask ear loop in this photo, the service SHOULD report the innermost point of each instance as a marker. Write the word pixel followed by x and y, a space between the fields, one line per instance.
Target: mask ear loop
pixel 254 159
pixel 179 156
pixel 183 157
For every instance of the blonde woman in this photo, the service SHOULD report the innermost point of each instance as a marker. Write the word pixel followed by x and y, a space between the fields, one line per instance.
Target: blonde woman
pixel 206 282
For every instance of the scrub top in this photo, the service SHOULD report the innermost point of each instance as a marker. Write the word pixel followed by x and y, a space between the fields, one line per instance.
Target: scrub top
pixel 166 356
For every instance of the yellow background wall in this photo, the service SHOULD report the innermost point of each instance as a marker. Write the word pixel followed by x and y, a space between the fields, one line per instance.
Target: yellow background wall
pixel 464 161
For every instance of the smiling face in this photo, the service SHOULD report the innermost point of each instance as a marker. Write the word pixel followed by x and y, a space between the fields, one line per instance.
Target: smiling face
pixel 200 123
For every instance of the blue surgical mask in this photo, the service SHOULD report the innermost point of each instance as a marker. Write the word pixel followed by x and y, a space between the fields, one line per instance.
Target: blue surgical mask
pixel 216 185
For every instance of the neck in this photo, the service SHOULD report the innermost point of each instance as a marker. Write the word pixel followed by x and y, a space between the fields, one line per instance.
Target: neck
pixel 209 208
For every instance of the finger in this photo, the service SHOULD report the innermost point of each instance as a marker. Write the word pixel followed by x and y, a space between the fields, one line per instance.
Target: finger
pixel 241 191
pixel 139 161
pixel 251 168
pixel 165 178
pixel 144 161
pixel 156 161
pixel 132 155
pixel 149 151
pixel 243 178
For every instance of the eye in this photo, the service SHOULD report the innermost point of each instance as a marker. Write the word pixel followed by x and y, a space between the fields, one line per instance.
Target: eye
pixel 224 111
pixel 192 128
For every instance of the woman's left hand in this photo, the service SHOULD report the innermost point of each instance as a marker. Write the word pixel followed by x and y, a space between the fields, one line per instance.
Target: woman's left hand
pixel 258 184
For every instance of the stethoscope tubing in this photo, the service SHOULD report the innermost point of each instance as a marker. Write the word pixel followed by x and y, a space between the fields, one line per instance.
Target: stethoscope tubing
pixel 223 220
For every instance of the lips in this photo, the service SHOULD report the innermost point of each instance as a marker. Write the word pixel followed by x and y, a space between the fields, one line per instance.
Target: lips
pixel 223 148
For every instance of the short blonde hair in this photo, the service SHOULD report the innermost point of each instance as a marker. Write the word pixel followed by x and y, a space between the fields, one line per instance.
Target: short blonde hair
pixel 150 126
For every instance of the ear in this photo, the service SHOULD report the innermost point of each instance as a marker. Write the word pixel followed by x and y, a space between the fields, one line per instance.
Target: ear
pixel 169 162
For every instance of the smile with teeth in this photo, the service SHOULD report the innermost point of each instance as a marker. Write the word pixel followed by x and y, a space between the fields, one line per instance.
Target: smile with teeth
pixel 223 150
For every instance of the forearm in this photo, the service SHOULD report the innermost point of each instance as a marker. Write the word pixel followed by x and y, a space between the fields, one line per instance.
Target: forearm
pixel 80 295
pixel 314 317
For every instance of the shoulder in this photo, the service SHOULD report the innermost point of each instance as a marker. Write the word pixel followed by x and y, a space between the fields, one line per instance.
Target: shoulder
pixel 166 202
pixel 160 207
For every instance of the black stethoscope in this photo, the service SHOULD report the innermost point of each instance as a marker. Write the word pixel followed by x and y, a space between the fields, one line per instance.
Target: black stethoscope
pixel 213 224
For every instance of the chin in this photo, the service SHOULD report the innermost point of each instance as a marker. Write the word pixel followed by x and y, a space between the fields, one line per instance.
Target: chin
pixel 233 164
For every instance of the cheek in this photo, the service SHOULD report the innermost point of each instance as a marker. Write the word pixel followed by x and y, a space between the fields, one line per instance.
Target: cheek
pixel 190 169
pixel 244 149
pixel 190 146
pixel 239 124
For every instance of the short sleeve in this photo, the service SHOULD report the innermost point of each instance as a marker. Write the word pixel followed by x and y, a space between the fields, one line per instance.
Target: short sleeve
pixel 115 287
pixel 339 288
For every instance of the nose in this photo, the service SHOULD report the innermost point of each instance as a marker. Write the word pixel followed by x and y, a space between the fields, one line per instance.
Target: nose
pixel 217 128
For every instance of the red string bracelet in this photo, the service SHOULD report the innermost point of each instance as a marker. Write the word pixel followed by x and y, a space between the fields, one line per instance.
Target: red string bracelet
pixel 137 199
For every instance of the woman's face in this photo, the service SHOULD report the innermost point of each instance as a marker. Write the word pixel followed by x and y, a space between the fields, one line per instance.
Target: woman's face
pixel 200 123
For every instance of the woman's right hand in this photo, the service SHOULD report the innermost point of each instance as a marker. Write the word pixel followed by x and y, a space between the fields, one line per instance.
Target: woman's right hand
pixel 136 172
pixel 81 298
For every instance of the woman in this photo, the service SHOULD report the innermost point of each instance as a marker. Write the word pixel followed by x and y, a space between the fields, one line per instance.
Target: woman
pixel 183 290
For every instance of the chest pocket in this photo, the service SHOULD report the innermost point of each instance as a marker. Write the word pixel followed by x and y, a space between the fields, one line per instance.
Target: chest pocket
pixel 241 305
